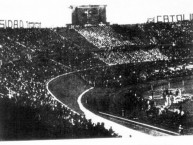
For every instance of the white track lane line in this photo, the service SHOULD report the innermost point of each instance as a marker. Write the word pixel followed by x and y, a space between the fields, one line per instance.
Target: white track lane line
pixel 121 130
pixel 47 84
pixel 168 131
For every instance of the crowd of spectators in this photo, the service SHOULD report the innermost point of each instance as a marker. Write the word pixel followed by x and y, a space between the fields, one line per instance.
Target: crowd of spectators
pixel 166 37
pixel 24 84
pixel 8 49
pixel 169 59
pixel 144 63
pixel 30 58
pixel 77 60
pixel 170 33
pixel 121 57
pixel 129 74
pixel 17 43
pixel 176 33
pixel 102 36
pixel 23 87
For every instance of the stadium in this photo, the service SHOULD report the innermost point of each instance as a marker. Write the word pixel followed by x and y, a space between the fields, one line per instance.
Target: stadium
pixel 55 81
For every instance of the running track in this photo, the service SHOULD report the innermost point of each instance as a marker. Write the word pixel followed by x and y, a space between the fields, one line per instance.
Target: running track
pixel 121 130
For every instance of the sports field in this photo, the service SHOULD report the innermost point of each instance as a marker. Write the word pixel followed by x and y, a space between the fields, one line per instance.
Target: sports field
pixel 113 101
pixel 186 85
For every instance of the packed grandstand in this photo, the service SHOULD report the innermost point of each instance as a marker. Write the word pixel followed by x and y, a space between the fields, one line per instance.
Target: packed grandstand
pixel 108 57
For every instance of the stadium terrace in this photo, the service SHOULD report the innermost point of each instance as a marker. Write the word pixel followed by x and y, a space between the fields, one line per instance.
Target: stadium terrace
pixel 141 74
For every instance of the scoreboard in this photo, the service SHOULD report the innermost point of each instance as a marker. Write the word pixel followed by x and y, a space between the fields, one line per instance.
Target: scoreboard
pixel 88 14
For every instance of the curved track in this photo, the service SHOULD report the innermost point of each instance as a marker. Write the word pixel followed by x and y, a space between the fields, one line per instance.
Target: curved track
pixel 47 87
pixel 121 130
pixel 114 121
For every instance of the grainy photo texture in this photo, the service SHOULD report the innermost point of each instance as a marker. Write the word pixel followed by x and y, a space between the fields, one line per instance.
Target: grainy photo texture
pixel 92 77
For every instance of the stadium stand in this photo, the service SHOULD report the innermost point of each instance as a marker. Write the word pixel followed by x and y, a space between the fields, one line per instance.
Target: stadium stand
pixel 23 83
pixel 102 36
pixel 109 56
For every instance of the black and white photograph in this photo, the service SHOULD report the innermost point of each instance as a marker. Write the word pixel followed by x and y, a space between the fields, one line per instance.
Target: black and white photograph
pixel 96 71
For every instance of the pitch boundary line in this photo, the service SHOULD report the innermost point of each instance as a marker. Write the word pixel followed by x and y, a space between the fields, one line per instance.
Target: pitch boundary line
pixel 140 123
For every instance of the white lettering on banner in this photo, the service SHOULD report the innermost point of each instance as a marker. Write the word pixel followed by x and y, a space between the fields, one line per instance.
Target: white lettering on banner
pixel 33 24
pixel 19 24
pixel 166 18
pixel 171 18
pixel 179 18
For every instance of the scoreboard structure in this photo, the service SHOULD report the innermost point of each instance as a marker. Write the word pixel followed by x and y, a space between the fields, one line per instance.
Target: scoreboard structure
pixel 88 14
